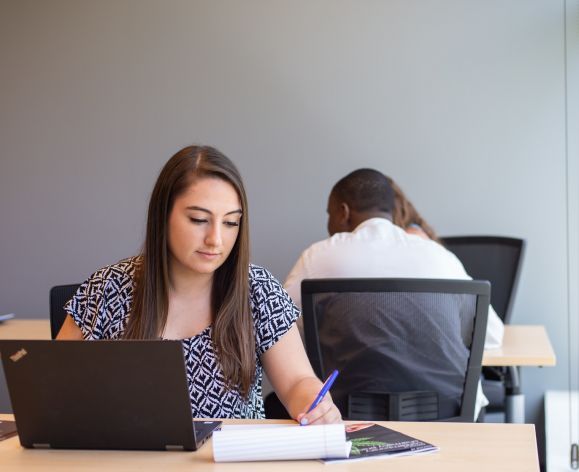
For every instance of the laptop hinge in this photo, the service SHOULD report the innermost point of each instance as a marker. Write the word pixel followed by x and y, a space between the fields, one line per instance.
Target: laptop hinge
pixel 41 445
pixel 174 447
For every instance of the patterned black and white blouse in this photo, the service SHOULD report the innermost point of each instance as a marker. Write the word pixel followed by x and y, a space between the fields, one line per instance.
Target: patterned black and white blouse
pixel 101 308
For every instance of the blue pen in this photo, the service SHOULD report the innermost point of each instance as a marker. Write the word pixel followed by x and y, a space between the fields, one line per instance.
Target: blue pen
pixel 325 388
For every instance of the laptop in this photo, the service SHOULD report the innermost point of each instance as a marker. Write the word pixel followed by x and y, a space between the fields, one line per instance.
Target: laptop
pixel 101 395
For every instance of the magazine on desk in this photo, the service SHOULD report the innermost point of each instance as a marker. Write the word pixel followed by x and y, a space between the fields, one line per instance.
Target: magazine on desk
pixel 370 440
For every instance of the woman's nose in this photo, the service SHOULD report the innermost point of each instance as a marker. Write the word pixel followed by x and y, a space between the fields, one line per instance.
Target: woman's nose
pixel 213 237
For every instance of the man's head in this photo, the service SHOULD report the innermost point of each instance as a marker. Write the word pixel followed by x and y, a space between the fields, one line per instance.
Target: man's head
pixel 360 195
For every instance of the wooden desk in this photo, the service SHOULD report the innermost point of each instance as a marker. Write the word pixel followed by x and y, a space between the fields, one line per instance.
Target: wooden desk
pixel 463 446
pixel 25 329
pixel 522 346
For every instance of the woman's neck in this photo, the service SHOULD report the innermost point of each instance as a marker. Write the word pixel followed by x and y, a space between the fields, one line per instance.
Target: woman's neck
pixel 189 310
pixel 185 282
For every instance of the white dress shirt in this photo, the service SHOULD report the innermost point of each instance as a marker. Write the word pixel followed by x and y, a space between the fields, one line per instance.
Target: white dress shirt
pixel 378 248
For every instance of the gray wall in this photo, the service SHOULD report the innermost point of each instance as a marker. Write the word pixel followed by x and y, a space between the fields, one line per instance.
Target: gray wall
pixel 462 101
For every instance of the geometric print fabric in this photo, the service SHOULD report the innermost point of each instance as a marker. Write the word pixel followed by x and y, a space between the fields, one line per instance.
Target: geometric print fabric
pixel 101 309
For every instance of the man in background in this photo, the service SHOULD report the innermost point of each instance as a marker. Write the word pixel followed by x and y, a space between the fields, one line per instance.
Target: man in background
pixel 364 242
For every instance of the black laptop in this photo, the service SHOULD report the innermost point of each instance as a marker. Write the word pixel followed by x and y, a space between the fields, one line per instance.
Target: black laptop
pixel 101 395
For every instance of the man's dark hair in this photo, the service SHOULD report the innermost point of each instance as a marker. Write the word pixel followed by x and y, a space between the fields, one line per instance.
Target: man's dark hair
pixel 365 190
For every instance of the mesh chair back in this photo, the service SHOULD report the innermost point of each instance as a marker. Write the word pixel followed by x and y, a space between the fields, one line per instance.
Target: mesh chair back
pixel 493 258
pixel 59 295
pixel 398 336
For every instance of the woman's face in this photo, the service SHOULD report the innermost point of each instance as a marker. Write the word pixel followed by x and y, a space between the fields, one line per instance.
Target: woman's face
pixel 203 226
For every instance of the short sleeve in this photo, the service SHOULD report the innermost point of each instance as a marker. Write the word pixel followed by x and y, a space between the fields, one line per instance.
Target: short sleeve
pixel 101 305
pixel 273 311
pixel 82 307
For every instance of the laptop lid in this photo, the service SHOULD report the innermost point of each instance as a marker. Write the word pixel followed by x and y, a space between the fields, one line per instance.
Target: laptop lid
pixel 101 395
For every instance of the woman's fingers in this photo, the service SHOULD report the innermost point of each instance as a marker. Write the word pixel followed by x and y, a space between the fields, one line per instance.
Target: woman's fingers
pixel 326 412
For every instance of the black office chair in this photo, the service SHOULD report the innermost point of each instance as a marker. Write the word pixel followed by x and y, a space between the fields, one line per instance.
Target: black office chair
pixel 406 349
pixel 59 295
pixel 498 260
pixel 493 258
pixel 274 409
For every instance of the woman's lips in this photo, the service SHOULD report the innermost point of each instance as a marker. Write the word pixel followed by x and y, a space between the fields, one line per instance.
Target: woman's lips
pixel 208 255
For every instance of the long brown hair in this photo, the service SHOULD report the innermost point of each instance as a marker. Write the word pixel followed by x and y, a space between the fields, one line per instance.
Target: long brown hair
pixel 233 330
pixel 405 214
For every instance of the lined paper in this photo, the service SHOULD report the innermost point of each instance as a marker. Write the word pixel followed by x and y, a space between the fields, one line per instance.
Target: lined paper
pixel 280 443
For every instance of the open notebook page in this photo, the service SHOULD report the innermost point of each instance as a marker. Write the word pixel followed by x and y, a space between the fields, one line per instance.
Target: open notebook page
pixel 279 442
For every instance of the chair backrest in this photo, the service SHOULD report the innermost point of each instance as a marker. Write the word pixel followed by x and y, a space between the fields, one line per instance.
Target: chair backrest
pixel 395 337
pixel 59 295
pixel 493 258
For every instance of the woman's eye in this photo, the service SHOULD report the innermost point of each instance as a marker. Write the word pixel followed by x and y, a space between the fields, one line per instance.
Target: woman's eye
pixel 198 221
pixel 231 223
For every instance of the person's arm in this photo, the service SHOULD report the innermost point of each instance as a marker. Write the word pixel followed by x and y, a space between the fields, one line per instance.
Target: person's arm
pixel 295 383
pixel 495 327
pixel 495 330
pixel 69 330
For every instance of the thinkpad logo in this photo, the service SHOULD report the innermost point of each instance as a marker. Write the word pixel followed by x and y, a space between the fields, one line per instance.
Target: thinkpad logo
pixel 18 355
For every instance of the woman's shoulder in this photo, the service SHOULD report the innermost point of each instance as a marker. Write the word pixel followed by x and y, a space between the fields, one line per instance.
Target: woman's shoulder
pixel 122 270
pixel 262 282
pixel 260 277
pixel 259 274
pixel 272 308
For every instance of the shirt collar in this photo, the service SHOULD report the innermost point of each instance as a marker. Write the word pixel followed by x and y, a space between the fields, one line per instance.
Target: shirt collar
pixel 373 222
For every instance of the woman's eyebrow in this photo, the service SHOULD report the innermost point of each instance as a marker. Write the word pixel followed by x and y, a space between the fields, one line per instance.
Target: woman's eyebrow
pixel 234 211
pixel 210 212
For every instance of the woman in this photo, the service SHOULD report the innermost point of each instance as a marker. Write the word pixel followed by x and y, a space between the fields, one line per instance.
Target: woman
pixel 406 217
pixel 193 282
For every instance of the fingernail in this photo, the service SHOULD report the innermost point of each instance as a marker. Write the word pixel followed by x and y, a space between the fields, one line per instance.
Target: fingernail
pixel 304 421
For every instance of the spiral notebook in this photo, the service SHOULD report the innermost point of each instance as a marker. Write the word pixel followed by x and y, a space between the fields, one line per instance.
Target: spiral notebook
pixel 272 442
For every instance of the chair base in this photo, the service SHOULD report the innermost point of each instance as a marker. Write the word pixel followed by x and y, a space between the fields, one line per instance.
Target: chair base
pixel 398 406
